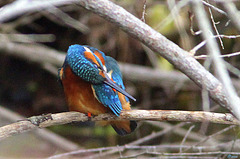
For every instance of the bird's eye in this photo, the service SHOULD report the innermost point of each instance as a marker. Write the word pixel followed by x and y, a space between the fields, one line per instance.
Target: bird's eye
pixel 97 67
pixel 100 68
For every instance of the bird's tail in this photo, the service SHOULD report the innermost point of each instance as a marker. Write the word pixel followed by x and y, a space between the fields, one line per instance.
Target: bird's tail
pixel 124 127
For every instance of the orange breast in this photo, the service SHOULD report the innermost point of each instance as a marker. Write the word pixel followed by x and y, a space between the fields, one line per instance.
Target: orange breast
pixel 79 94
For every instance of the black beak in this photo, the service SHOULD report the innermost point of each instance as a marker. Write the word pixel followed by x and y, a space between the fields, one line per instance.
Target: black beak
pixel 109 82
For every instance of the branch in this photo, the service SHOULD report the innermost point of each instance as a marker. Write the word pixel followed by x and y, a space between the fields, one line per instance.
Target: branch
pixel 154 40
pixel 47 135
pixel 139 115
pixel 233 13
pixel 23 6
pixel 133 26
pixel 44 55
pixel 212 48
pixel 50 58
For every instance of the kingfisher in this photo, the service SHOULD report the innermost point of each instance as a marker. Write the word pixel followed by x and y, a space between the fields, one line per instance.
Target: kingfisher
pixel 93 84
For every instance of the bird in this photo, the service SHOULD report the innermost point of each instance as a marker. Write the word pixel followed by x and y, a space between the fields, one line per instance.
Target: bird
pixel 93 84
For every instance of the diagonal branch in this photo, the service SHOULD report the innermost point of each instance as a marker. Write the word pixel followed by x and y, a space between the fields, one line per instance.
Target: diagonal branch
pixel 133 26
pixel 139 115
pixel 214 51
pixel 180 58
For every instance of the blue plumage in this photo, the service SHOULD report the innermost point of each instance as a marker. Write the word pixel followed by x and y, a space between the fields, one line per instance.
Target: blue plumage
pixel 108 98
pixel 93 84
pixel 112 64
pixel 89 71
pixel 81 66
pixel 105 94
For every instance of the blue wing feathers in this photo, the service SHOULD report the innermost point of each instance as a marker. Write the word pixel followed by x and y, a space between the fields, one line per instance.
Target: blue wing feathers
pixel 108 98
pixel 112 64
pixel 104 93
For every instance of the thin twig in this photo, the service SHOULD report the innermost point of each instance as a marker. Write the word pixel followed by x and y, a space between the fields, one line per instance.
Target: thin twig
pixel 22 6
pixel 209 137
pixel 233 69
pixel 194 50
pixel 233 13
pixel 44 55
pixel 215 27
pixel 214 8
pixel 191 16
pixel 181 131
pixel 144 33
pixel 147 147
pixel 226 55
pixel 185 137
pixel 144 11
pixel 140 141
pixel 66 19
pixel 212 48
pixel 27 38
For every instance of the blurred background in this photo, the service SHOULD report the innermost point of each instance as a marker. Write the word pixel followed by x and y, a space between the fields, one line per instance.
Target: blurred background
pixel 33 47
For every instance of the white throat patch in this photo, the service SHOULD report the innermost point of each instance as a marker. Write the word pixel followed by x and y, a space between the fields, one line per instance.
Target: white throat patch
pixel 87 49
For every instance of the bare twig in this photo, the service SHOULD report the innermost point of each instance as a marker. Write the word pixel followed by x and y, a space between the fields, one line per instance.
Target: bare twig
pixel 180 24
pixel 144 11
pixel 44 55
pixel 215 27
pixel 27 38
pixel 213 49
pixel 194 50
pixel 214 8
pixel 166 21
pixel 185 137
pixel 201 155
pixel 158 115
pixel 155 135
pixel 226 55
pixel 209 137
pixel 22 6
pixel 191 16
pixel 146 147
pixel 154 40
pixel 45 134
pixel 141 140
pixel 181 131
pixel 66 19
pixel 233 69
pixel 233 13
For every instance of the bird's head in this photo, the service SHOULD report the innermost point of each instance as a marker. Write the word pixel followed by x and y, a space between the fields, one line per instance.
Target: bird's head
pixel 89 64
pixel 85 64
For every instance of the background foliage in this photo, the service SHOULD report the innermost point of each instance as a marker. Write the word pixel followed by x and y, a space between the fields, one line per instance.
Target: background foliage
pixel 30 89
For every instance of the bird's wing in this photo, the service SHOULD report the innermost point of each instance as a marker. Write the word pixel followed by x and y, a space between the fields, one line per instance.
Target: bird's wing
pixel 112 65
pixel 107 95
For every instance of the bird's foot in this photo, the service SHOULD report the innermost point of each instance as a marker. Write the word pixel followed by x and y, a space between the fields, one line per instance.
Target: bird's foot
pixel 90 116
pixel 37 120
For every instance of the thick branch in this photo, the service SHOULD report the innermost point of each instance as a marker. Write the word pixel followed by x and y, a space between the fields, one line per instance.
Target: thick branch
pixel 158 43
pixel 212 48
pixel 42 55
pixel 157 115
pixel 180 58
